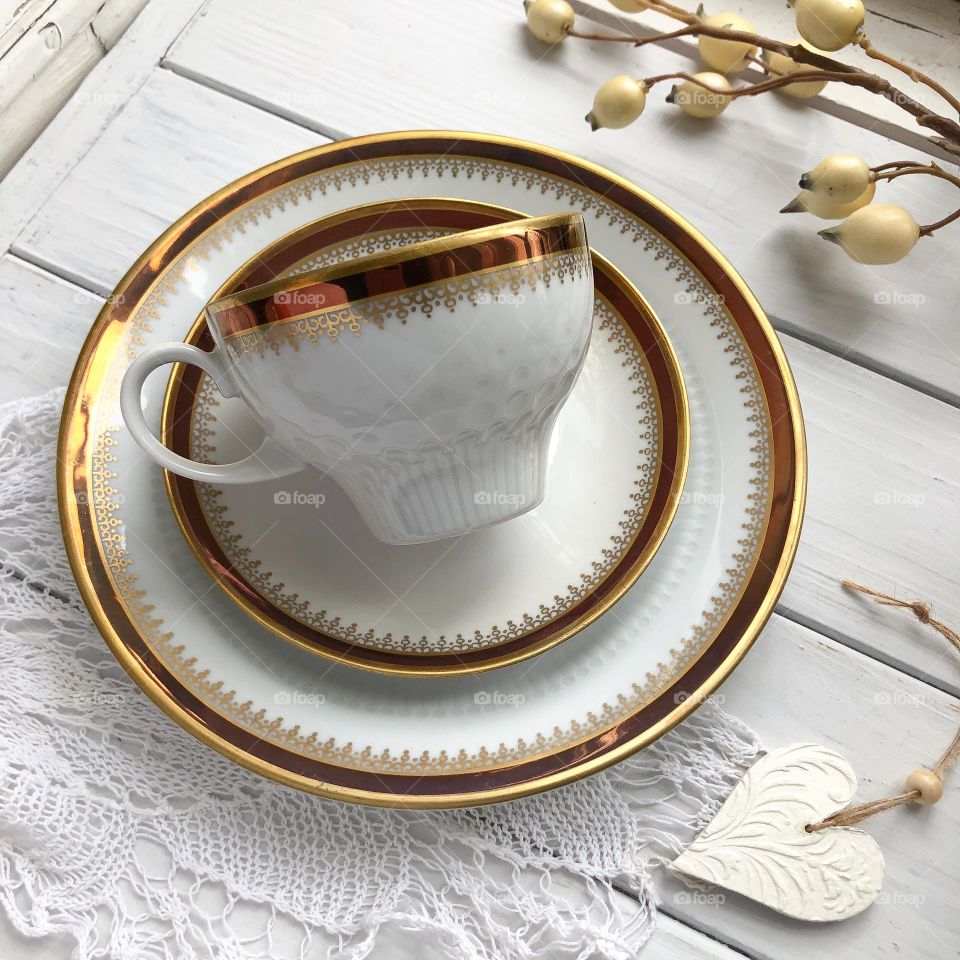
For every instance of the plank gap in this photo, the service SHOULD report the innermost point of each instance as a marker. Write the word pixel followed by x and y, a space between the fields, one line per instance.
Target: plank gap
pixel 903 23
pixel 871 653
pixel 704 931
pixel 254 101
pixel 859 359
pixel 61 273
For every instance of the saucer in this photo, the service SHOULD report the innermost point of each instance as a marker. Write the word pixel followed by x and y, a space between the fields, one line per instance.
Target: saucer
pixel 295 554
pixel 463 740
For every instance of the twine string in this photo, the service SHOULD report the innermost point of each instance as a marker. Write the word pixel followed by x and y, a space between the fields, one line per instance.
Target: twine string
pixel 857 812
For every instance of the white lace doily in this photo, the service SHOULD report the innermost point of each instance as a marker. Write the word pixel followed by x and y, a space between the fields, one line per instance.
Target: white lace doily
pixel 121 833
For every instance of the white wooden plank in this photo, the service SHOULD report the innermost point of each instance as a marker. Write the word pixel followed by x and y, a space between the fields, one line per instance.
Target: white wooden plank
pixel 870 438
pixel 46 40
pixel 796 686
pixel 156 183
pixel 884 492
pixel 49 62
pixel 676 941
pixel 45 321
pixel 81 121
pixel 112 20
pixel 33 107
pixel 17 17
pixel 481 70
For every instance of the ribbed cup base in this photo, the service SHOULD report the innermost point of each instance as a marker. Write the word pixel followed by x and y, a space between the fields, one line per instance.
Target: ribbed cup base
pixel 450 491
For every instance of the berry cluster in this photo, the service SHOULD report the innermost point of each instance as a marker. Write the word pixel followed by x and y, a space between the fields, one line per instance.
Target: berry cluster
pixel 841 187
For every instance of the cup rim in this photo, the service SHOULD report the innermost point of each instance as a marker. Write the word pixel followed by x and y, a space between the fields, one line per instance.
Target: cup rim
pixel 407 254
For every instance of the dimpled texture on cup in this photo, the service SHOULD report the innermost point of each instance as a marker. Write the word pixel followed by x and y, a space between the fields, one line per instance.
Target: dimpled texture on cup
pixel 438 423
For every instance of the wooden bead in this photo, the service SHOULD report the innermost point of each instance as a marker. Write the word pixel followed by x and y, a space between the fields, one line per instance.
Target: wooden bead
pixel 929 785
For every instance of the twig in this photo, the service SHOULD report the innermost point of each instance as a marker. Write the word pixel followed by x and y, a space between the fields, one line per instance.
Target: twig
pixel 897 164
pixel 690 30
pixel 751 89
pixel 906 168
pixel 912 72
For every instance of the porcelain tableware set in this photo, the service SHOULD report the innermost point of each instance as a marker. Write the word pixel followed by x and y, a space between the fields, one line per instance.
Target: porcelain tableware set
pixel 483 468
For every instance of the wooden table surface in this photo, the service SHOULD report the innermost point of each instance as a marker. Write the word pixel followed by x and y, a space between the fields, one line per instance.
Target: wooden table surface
pixel 195 94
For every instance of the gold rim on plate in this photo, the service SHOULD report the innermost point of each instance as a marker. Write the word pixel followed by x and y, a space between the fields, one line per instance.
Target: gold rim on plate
pixel 578 750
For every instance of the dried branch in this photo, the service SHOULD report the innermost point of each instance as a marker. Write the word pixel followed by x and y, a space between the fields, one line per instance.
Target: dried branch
pixel 912 72
pixel 906 168
pixel 827 67
pixel 751 89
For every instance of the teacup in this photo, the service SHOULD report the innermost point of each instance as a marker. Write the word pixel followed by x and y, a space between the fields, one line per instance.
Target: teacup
pixel 426 380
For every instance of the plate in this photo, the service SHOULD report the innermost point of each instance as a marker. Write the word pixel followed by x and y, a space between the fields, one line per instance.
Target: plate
pixel 297 557
pixel 441 741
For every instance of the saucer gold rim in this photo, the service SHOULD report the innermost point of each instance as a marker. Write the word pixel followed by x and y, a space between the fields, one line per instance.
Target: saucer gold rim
pixel 594 603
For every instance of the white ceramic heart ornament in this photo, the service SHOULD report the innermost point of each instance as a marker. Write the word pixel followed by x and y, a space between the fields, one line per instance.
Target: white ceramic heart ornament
pixel 757 844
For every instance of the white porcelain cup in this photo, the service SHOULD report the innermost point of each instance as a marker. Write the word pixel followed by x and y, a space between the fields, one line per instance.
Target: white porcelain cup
pixel 426 380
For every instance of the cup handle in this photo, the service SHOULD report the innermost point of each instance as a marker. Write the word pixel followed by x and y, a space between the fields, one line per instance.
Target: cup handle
pixel 266 463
